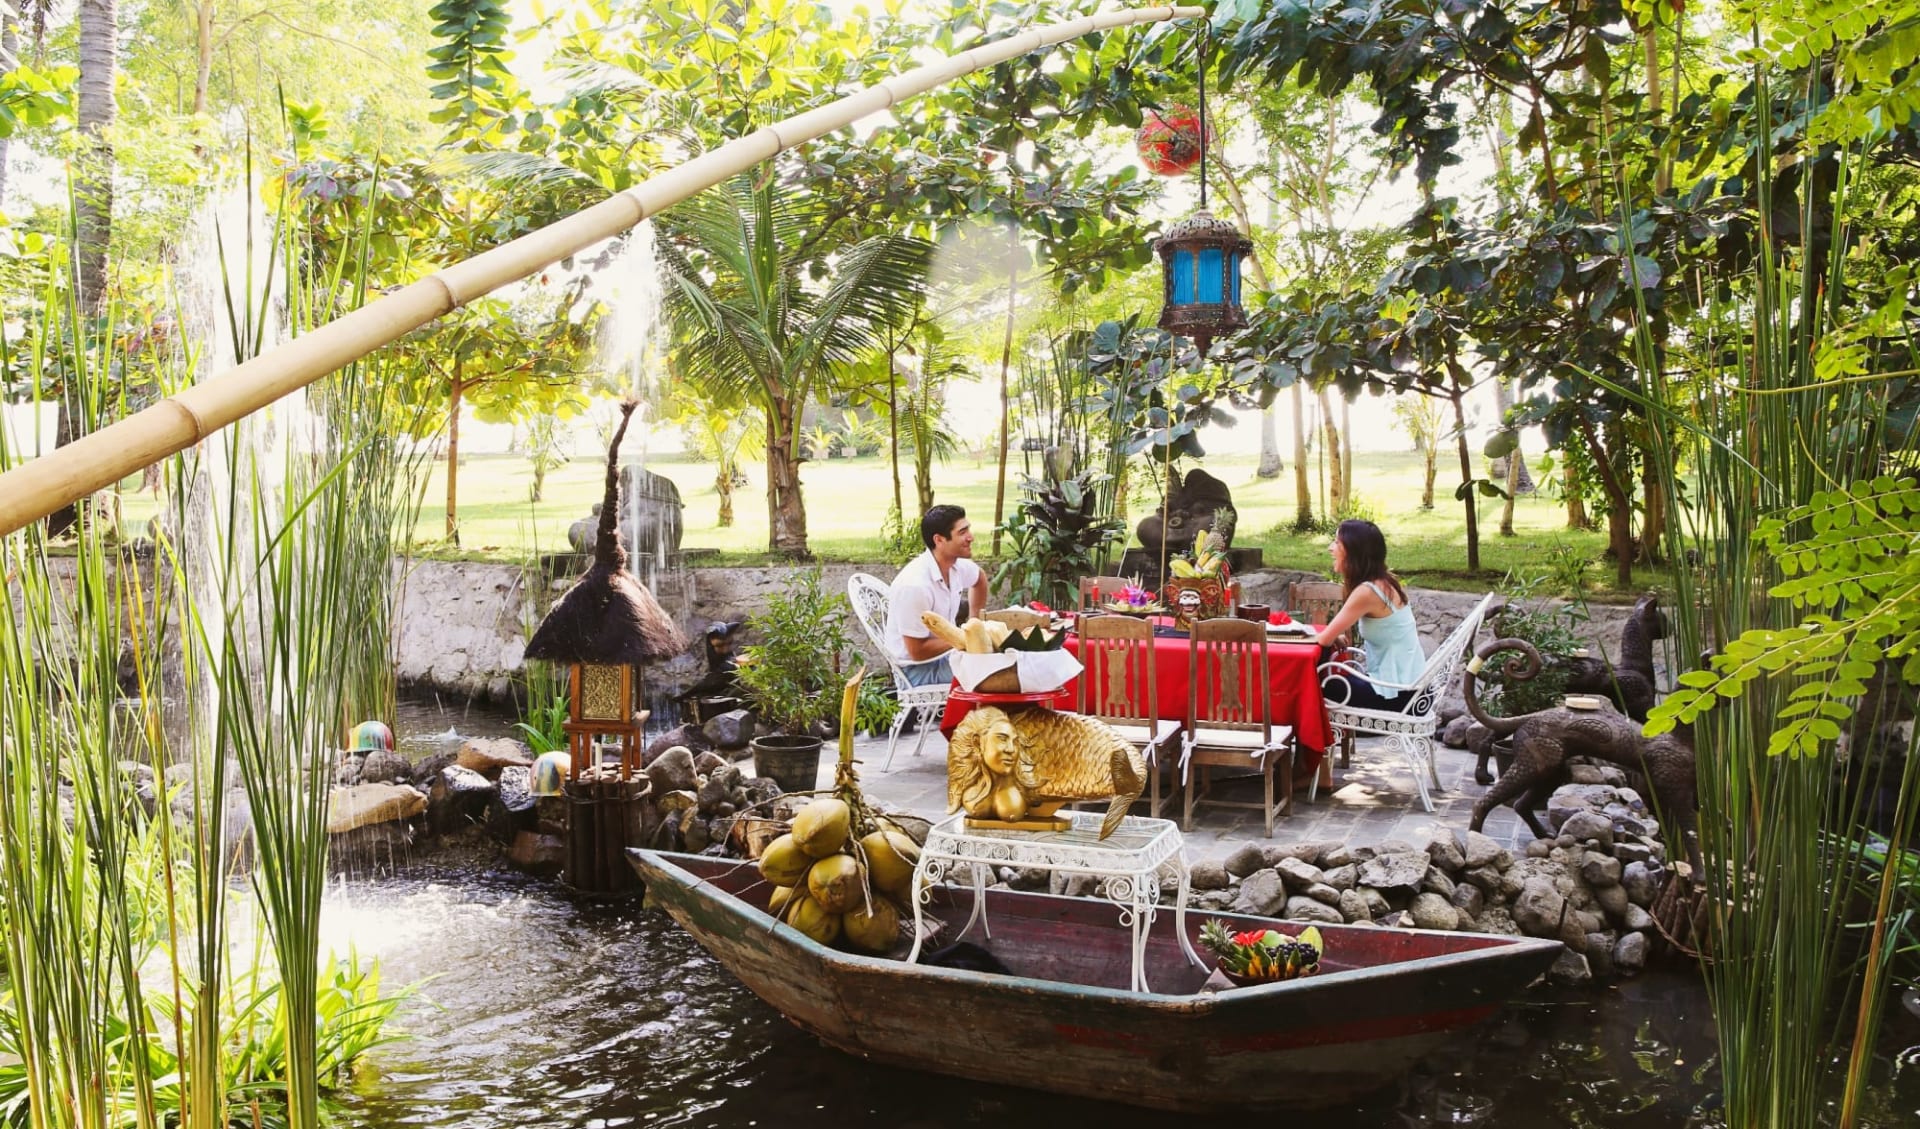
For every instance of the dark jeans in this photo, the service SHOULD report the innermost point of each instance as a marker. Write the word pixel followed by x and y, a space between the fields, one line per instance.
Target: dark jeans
pixel 1358 693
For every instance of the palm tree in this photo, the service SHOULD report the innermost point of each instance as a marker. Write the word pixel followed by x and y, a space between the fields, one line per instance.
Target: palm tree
pixel 766 307
pixel 99 60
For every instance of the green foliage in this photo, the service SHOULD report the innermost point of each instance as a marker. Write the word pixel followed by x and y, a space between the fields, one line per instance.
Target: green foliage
pixel 1851 566
pixel 469 65
pixel 876 708
pixel 1553 633
pixel 543 721
pixel 790 674
pixel 1055 536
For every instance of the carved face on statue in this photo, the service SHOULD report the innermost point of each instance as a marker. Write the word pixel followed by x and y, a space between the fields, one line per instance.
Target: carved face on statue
pixel 1190 603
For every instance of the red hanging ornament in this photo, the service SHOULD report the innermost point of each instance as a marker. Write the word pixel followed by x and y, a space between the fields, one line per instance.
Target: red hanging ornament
pixel 1169 141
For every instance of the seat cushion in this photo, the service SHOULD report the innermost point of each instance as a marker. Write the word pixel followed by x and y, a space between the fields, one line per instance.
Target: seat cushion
pixel 1160 733
pixel 1248 739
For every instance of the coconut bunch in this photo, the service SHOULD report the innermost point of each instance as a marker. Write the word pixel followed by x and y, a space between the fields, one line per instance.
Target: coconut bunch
pixel 842 874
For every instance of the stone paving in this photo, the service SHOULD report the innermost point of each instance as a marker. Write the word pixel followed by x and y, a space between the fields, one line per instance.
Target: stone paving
pixel 1371 801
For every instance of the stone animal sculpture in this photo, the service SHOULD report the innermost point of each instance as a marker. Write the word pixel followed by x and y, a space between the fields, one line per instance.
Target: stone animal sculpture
pixel 1542 742
pixel 722 679
pixel 1016 770
pixel 1195 501
pixel 1630 681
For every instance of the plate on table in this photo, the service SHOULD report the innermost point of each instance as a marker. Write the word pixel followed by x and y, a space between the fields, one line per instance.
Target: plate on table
pixel 1296 630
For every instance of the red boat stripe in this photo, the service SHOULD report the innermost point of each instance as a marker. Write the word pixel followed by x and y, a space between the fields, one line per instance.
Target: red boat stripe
pixel 1354 1031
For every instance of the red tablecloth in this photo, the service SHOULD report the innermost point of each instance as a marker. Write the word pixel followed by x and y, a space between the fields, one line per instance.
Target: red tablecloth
pixel 1293 692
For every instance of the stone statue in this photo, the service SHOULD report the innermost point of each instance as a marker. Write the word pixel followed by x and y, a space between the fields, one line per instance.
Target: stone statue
pixel 1629 682
pixel 1543 740
pixel 1195 501
pixel 650 515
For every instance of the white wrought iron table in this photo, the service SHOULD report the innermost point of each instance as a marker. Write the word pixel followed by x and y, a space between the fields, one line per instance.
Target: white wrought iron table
pixel 1130 861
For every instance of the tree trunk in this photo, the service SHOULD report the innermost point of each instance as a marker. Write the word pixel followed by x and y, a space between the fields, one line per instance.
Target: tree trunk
pixel 1271 464
pixel 786 513
pixel 453 456
pixel 1459 398
pixel 1302 484
pixel 93 181
pixel 1619 508
pixel 893 428
pixel 10 49
pixel 1346 447
pixel 1653 488
pixel 723 488
pixel 1576 506
pixel 1006 364
pixel 1330 432
pixel 203 64
pixel 1503 401
pixel 1433 472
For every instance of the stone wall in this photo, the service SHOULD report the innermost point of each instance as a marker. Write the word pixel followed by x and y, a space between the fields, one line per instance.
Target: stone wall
pixel 463 625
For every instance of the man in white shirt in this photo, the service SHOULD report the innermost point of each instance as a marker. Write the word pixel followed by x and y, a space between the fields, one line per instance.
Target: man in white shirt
pixel 934 581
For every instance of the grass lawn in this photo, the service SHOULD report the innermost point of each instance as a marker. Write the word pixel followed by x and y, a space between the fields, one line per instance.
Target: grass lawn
pixel 847 500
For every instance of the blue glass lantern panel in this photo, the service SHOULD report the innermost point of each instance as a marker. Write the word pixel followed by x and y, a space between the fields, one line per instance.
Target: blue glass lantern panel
pixel 1233 276
pixel 1210 276
pixel 1182 265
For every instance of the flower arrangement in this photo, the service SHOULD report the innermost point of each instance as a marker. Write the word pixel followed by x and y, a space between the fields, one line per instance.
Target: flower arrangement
pixel 1262 955
pixel 1135 600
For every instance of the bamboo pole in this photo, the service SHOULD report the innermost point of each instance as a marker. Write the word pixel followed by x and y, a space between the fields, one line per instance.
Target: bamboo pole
pixel 96 461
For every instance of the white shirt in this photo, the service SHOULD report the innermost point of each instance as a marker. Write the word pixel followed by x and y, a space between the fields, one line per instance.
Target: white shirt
pixel 919 588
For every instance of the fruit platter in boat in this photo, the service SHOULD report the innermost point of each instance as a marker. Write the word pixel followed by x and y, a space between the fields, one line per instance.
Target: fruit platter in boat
pixel 1048 1008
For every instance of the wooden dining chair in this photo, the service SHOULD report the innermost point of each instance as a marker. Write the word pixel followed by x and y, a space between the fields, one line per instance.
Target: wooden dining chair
pixel 1117 685
pixel 1315 601
pixel 1019 619
pixel 1096 590
pixel 1229 718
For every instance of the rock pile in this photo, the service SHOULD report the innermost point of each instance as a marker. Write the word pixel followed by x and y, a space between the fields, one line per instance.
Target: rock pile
pixel 1589 888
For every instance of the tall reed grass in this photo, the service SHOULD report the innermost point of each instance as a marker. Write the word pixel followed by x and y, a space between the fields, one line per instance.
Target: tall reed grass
pixel 263 631
pixel 1792 984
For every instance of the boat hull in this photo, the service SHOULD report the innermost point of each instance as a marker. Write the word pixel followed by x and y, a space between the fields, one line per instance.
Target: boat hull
pixel 1055 1026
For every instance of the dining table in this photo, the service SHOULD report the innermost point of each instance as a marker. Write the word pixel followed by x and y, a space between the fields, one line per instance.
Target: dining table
pixel 1293 690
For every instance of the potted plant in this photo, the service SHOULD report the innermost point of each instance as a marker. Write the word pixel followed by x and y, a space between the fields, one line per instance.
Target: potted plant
pixel 789 677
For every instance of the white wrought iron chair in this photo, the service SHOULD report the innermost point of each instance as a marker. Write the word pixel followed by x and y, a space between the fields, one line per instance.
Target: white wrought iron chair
pixel 1412 726
pixel 869 596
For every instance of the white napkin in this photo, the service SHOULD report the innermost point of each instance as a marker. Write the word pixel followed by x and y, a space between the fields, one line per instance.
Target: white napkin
pixel 1039 671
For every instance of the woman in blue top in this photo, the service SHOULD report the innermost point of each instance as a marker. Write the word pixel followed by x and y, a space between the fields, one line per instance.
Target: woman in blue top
pixel 1377 605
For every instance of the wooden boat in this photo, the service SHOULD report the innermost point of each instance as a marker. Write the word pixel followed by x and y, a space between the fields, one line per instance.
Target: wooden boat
pixel 1064 1020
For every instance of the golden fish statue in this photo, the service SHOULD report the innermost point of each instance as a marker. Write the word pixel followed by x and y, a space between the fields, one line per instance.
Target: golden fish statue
pixel 1012 772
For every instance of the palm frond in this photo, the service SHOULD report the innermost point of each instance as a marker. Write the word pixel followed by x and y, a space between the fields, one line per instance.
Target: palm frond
pixel 520 174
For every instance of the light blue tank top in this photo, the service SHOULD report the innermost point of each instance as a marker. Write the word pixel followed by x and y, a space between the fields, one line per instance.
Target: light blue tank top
pixel 1392 643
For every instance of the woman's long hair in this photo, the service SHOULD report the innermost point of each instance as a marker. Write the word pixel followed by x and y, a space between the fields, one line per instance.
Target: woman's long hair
pixel 1366 550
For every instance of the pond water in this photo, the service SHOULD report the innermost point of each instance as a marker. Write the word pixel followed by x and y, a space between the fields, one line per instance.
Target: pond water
pixel 540 1011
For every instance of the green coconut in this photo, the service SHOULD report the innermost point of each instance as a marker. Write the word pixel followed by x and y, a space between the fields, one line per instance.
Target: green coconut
pixel 875 930
pixel 783 863
pixel 813 919
pixel 837 882
pixel 777 901
pixel 821 827
pixel 891 857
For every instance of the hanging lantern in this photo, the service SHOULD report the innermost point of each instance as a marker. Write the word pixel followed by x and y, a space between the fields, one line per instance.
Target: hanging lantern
pixel 1200 257
pixel 1200 271
pixel 1170 141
